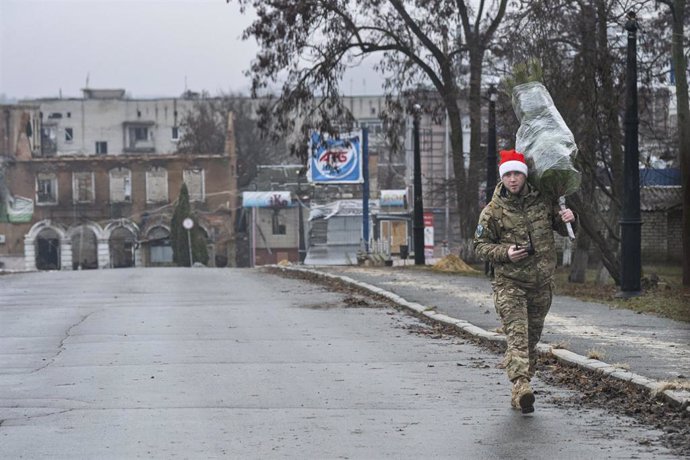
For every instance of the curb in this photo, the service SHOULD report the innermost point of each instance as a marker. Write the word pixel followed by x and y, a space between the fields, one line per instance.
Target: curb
pixel 677 398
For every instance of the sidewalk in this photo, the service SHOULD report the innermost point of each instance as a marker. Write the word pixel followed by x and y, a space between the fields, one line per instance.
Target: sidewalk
pixel 645 349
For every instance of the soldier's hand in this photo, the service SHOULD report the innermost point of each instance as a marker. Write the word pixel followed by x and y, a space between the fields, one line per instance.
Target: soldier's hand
pixel 516 254
pixel 567 215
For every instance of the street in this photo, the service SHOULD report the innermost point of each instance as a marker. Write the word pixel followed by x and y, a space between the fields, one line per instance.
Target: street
pixel 237 363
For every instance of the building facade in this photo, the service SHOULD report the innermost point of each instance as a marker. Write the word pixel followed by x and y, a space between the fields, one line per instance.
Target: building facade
pixel 92 183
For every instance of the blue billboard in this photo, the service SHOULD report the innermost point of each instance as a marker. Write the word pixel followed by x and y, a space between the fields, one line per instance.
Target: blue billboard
pixel 335 160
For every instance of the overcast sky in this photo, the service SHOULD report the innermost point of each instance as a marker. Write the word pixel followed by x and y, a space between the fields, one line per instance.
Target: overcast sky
pixel 150 48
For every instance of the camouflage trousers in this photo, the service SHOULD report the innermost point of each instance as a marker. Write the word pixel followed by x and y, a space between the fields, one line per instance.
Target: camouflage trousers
pixel 522 311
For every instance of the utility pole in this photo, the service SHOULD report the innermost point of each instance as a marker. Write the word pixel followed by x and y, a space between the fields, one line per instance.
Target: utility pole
pixel 631 222
pixel 418 217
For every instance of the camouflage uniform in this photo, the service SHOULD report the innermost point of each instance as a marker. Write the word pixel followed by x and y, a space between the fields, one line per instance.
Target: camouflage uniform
pixel 523 289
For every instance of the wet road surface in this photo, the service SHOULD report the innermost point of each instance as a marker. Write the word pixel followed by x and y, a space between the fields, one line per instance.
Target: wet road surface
pixel 229 363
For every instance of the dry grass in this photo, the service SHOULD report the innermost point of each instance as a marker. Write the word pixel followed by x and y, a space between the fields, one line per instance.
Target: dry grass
pixel 672 385
pixel 667 298
pixel 596 354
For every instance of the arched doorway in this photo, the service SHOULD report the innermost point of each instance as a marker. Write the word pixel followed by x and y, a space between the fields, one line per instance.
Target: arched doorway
pixel 160 249
pixel 84 248
pixel 47 247
pixel 121 244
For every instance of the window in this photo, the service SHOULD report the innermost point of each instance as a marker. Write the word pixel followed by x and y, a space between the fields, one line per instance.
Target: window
pixel 139 137
pixel 140 133
pixel 194 178
pixel 48 139
pixel 69 134
pixel 46 188
pixel 101 147
pixel 175 133
pixel 278 222
pixel 160 251
pixel 82 187
pixel 156 185
pixel 120 185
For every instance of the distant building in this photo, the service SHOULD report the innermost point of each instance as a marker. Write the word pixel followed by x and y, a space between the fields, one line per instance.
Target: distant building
pixel 92 183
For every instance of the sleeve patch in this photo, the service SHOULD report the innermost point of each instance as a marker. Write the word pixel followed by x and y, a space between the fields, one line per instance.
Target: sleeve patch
pixel 480 230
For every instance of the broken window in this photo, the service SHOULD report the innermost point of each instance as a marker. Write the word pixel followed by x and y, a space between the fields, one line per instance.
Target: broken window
pixel 46 188
pixel 101 147
pixel 48 139
pixel 82 187
pixel 156 185
pixel 120 185
pixel 139 136
pixel 69 134
pixel 194 178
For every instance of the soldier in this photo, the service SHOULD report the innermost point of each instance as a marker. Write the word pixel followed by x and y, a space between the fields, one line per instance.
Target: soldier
pixel 515 234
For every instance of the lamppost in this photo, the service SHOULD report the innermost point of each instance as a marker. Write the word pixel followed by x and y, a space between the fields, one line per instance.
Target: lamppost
pixel 491 154
pixel 630 221
pixel 418 217
pixel 302 250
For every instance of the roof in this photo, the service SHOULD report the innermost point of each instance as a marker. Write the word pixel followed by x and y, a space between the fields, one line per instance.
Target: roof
pixel 660 197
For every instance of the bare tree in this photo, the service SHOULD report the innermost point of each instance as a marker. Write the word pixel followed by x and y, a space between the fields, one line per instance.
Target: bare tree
pixel 306 45
pixel 205 127
pixel 581 48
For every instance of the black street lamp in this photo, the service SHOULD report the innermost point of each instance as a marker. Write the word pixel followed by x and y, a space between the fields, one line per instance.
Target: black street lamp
pixel 302 250
pixel 418 217
pixel 630 222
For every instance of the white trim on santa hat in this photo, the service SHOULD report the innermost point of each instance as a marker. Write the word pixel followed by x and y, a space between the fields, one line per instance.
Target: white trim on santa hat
pixel 512 165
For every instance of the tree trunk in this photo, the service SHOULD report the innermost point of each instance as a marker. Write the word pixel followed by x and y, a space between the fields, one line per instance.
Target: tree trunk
pixel 578 270
pixel 477 156
pixel 610 105
pixel 588 223
pixel 683 113
pixel 455 122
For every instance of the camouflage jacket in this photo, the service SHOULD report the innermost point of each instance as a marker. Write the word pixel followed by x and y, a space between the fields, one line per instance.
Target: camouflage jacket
pixel 511 219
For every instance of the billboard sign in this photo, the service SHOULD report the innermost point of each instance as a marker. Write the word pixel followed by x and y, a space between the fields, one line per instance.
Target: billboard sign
pixel 393 198
pixel 335 160
pixel 266 199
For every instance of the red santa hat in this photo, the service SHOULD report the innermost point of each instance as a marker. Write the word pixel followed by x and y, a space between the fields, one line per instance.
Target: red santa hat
pixel 512 161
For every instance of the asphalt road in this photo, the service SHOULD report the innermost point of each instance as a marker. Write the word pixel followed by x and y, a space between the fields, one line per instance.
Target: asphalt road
pixel 222 363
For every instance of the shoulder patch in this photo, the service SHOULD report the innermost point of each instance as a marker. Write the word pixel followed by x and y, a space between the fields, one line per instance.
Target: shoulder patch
pixel 480 230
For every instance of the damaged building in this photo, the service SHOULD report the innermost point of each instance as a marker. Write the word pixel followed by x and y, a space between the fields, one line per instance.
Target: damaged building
pixel 92 182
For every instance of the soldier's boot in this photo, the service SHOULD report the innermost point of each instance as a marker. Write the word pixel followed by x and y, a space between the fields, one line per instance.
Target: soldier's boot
pixel 523 396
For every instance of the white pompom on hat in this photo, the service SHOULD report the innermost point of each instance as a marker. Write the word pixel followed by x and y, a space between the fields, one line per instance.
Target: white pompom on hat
pixel 512 161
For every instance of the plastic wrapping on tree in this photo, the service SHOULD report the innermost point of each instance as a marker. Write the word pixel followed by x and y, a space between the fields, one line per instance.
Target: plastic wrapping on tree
pixel 545 140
